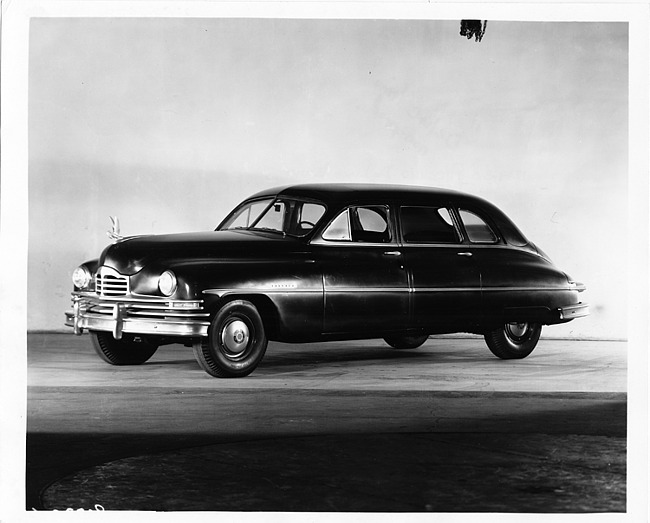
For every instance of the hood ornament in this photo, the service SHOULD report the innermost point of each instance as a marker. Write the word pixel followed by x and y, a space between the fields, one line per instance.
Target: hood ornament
pixel 114 232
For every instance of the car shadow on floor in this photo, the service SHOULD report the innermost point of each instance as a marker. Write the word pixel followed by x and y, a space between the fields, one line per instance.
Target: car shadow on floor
pixel 304 355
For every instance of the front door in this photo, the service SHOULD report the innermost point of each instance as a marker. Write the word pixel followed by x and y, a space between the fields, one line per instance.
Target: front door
pixel 364 278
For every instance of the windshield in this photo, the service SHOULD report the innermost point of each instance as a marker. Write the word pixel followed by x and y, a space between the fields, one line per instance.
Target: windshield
pixel 282 215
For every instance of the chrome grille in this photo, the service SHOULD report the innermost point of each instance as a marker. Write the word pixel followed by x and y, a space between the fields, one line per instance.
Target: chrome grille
pixel 109 282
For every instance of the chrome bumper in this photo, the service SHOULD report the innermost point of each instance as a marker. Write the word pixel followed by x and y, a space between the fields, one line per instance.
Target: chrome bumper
pixel 574 311
pixel 137 315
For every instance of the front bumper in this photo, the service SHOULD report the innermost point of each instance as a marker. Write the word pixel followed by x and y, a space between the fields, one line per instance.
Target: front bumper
pixel 148 315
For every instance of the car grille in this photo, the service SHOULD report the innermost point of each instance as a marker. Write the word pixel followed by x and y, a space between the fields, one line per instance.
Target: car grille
pixel 109 282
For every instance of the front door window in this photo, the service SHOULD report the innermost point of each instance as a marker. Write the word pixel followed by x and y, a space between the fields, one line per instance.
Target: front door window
pixel 368 224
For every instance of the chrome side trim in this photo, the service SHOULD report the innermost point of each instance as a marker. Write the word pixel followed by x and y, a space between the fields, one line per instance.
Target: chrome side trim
pixel 367 289
pixel 526 289
pixel 489 289
pixel 261 290
pixel 289 290
pixel 444 289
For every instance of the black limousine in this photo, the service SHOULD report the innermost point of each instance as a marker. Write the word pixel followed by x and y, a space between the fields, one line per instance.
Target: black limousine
pixel 318 262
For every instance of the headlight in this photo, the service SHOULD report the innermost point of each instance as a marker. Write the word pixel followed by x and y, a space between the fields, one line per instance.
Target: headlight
pixel 81 277
pixel 167 283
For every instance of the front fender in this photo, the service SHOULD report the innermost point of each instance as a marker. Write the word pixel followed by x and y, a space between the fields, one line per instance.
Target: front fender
pixel 289 292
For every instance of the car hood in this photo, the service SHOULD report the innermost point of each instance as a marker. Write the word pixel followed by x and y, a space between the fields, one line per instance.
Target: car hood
pixel 130 255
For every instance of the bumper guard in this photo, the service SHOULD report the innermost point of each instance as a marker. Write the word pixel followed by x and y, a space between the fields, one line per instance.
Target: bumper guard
pixel 137 315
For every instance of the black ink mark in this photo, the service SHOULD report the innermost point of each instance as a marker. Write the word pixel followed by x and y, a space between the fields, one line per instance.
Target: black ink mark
pixel 473 28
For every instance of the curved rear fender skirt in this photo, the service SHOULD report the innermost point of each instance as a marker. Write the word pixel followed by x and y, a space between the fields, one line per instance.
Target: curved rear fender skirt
pixel 551 298
pixel 507 267
pixel 530 314
pixel 530 305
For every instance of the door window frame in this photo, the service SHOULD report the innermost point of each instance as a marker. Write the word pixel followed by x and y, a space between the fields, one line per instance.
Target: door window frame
pixel 452 215
pixel 495 231
pixel 390 222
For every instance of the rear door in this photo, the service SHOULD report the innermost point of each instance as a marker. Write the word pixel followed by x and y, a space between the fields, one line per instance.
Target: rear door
pixel 443 273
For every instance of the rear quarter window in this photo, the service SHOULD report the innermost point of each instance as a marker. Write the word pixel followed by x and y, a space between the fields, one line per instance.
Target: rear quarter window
pixel 477 229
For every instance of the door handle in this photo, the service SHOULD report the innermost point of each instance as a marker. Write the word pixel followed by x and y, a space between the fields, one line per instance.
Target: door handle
pixel 392 253
pixel 464 253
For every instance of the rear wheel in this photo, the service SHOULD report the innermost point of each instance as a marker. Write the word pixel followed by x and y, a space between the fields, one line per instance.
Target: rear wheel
pixel 129 350
pixel 514 340
pixel 406 342
pixel 236 341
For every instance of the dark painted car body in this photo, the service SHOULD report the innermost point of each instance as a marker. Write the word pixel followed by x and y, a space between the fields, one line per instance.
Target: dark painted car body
pixel 393 262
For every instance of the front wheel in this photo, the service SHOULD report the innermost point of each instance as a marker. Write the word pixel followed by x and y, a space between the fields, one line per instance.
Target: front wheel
pixel 406 342
pixel 513 340
pixel 236 341
pixel 129 350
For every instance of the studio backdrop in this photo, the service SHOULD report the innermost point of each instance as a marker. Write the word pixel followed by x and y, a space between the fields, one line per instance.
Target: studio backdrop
pixel 169 123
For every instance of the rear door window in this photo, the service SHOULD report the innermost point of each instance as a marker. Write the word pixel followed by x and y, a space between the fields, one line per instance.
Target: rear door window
pixel 427 225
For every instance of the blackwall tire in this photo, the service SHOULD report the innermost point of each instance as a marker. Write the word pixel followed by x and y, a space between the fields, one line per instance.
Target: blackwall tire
pixel 513 340
pixel 236 341
pixel 130 350
pixel 406 342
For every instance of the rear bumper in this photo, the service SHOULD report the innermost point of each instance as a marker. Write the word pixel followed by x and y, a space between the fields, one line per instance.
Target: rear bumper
pixel 137 315
pixel 574 311
pixel 545 315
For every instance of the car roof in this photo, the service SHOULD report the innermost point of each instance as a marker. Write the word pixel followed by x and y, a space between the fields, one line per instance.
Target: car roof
pixel 337 192
pixel 350 193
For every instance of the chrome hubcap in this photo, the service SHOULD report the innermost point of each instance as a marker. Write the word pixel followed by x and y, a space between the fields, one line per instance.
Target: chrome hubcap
pixel 235 337
pixel 516 331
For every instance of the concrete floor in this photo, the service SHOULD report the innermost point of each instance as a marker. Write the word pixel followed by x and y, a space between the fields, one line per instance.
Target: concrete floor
pixel 334 427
